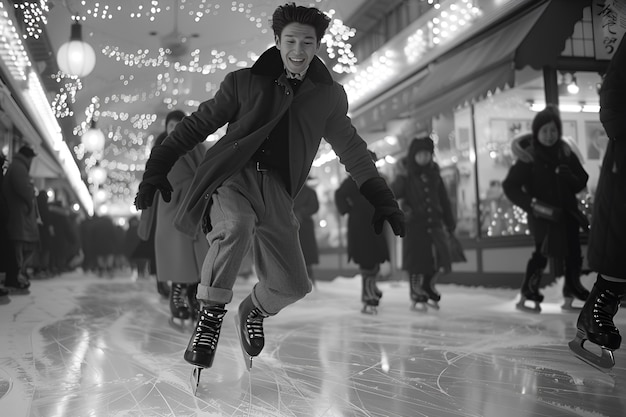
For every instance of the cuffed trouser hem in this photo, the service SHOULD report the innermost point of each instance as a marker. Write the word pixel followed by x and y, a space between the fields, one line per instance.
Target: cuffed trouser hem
pixel 214 295
pixel 271 303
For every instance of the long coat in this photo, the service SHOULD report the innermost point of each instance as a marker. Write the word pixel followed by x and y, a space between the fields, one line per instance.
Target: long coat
pixel 305 206
pixel 179 256
pixel 533 175
pixel 20 196
pixel 252 101
pixel 607 238
pixel 428 215
pixel 365 248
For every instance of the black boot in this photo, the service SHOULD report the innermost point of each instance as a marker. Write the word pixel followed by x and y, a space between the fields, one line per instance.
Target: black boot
pixel 595 323
pixel 532 281
pixel 178 305
pixel 428 286
pixel 203 343
pixel 572 288
pixel 369 296
pixel 194 304
pixel 250 328
pixel 418 297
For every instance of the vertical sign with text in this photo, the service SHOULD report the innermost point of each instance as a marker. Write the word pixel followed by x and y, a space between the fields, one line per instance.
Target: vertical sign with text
pixel 609 26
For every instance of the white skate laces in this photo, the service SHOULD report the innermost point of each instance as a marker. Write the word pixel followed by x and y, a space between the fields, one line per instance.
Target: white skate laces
pixel 254 324
pixel 208 329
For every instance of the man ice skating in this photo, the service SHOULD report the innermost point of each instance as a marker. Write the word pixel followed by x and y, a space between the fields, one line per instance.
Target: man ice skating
pixel 242 195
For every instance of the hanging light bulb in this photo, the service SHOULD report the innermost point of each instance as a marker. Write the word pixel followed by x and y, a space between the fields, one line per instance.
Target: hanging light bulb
pixel 76 57
pixel 572 87
pixel 93 139
pixel 98 175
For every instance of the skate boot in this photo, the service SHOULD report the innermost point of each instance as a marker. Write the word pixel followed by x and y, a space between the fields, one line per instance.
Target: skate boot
pixel 595 324
pixel 249 323
pixel 419 300
pixel 203 343
pixel 572 288
pixel 530 285
pixel 178 304
pixel 369 297
pixel 428 287
pixel 194 304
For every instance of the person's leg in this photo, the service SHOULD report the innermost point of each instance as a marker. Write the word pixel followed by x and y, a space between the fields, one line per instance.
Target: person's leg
pixel 232 225
pixel 279 261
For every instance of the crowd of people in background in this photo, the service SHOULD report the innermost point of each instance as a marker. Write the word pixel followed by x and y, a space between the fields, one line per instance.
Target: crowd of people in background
pixel 42 238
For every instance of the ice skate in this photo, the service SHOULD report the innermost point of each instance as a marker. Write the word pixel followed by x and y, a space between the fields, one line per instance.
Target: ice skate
pixel 522 306
pixel 530 287
pixel 249 324
pixel 178 306
pixel 203 343
pixel 18 286
pixel 428 288
pixel 595 325
pixel 369 296
pixel 573 289
pixel 419 300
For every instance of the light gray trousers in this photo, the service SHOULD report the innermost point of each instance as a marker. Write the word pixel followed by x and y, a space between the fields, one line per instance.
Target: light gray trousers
pixel 254 209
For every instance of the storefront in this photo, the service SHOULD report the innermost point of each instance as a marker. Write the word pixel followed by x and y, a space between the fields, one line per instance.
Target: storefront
pixel 472 97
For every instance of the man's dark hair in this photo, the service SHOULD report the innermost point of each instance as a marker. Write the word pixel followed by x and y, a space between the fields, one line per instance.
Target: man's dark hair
pixel 290 13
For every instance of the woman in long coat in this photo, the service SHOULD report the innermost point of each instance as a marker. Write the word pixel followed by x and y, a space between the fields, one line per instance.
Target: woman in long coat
pixel 179 257
pixel 365 248
pixel 607 239
pixel 22 227
pixel 547 176
pixel 429 220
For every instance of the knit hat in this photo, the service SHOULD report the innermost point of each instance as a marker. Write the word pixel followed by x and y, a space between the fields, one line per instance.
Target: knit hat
pixel 545 116
pixel 177 115
pixel 422 144
pixel 27 151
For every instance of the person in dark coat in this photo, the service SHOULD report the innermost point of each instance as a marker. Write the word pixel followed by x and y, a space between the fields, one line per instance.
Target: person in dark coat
pixel 544 182
pixel 23 230
pixel 365 248
pixel 179 257
pixel 607 239
pixel 277 113
pixel 8 264
pixel 425 201
pixel 305 205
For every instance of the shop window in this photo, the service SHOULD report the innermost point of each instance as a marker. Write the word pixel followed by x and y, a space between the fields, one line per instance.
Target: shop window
pixel 452 133
pixel 507 114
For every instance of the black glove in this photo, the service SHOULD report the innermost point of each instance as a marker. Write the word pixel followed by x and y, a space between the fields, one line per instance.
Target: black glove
pixel 376 191
pixel 155 177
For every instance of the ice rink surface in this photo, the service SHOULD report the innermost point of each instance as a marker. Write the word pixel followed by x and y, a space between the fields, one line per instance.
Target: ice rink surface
pixel 82 346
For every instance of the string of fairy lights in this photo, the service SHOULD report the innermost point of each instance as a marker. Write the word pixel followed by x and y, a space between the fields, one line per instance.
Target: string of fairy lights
pixel 171 86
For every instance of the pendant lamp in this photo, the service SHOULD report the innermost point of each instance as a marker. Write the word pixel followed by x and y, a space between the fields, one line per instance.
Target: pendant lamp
pixel 76 57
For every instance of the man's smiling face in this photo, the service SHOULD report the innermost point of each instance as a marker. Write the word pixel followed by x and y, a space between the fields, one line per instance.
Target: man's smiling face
pixel 298 46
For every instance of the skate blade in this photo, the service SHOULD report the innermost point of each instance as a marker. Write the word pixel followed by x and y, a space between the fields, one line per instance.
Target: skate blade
pixel 568 306
pixel 369 309
pixel 604 362
pixel 178 324
pixel 246 358
pixel 421 307
pixel 195 379
pixel 433 304
pixel 521 306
